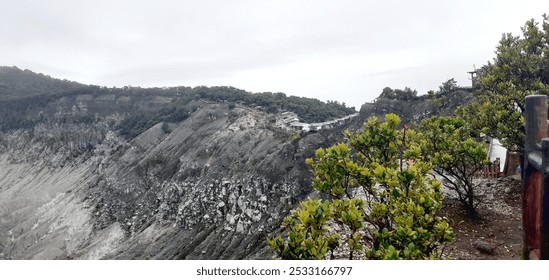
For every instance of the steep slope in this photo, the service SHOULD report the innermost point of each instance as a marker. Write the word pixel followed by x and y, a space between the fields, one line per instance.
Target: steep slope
pixel 91 172
pixel 211 187
pixel 415 109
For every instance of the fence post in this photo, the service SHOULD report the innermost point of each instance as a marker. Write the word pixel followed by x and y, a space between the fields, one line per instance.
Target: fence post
pixel 535 130
pixel 536 120
pixel 545 200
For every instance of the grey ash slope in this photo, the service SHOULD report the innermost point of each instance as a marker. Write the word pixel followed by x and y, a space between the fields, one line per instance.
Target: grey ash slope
pixel 218 186
pixel 211 187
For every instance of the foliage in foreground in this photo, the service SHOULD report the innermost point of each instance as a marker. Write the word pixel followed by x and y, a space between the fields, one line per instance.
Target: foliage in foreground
pixel 455 155
pixel 383 202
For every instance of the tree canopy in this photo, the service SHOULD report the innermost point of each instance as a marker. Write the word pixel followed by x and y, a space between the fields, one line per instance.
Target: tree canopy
pixel 520 68
pixel 398 94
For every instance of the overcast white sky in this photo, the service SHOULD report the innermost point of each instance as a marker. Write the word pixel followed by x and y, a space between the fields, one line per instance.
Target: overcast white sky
pixel 345 50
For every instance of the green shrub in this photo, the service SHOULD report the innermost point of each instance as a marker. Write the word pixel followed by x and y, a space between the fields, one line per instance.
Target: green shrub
pixel 394 218
pixel 456 156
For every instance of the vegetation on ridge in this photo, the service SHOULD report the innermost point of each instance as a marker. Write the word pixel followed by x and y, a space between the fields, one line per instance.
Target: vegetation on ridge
pixel 24 95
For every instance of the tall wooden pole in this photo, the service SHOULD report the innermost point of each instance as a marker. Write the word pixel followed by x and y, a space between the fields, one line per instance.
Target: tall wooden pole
pixel 535 130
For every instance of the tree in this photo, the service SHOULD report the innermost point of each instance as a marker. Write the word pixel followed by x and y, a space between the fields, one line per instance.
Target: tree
pixel 381 200
pixel 520 68
pixel 398 94
pixel 448 86
pixel 455 155
pixel 436 100
pixel 387 92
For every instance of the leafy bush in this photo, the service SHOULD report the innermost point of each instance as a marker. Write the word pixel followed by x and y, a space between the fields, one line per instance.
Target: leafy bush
pixel 308 238
pixel 395 219
pixel 456 156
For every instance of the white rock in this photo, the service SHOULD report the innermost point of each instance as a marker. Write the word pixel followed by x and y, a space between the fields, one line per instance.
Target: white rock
pixel 240 227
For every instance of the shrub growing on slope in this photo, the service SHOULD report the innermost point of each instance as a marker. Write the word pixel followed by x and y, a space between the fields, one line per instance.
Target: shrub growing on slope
pixel 456 156
pixel 382 199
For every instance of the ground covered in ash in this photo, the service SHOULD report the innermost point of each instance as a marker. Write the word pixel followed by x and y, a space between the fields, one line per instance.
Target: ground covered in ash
pixel 498 233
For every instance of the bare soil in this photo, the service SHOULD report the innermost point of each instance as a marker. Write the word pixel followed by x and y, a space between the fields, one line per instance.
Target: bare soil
pixel 499 227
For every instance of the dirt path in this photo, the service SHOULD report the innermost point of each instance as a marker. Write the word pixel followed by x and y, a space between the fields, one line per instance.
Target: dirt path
pixel 498 230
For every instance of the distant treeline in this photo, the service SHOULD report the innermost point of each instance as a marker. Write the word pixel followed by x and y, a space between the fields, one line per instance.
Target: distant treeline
pixel 27 97
pixel 411 94
pixel 309 109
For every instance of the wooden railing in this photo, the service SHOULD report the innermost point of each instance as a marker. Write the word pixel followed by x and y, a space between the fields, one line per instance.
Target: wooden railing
pixel 491 170
pixel 535 198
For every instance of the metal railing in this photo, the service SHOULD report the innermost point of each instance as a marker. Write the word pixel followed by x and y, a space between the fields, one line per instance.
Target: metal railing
pixel 535 197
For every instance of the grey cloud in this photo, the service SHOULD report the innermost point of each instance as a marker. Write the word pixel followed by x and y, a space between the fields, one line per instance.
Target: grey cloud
pixel 179 42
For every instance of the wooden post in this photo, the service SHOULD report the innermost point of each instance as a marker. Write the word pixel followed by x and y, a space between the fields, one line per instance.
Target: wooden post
pixel 545 200
pixel 536 121
pixel 535 130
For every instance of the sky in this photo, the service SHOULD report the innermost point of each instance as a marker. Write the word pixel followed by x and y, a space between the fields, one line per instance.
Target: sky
pixel 344 50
